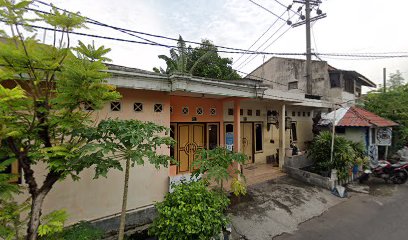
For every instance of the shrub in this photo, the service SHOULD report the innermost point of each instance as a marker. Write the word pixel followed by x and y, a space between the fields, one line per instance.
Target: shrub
pixel 192 211
pixel 82 230
pixel 238 187
pixel 345 153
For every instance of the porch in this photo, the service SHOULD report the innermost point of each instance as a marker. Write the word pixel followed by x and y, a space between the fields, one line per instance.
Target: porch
pixel 257 173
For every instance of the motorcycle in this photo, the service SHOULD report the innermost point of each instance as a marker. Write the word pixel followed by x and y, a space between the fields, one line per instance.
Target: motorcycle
pixel 397 173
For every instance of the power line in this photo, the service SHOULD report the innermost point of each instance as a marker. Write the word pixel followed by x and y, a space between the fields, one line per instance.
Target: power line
pixel 95 22
pixel 250 60
pixel 264 8
pixel 267 30
pixel 287 7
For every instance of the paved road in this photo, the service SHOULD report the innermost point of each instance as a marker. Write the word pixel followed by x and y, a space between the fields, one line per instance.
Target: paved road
pixel 381 215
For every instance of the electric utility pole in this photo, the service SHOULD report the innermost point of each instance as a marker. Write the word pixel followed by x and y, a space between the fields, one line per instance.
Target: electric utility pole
pixel 385 80
pixel 308 50
pixel 307 21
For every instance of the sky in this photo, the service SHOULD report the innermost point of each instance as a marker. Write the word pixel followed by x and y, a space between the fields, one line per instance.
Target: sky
pixel 351 26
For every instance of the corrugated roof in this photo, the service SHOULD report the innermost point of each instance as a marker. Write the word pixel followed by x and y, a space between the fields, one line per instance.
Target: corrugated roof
pixel 358 117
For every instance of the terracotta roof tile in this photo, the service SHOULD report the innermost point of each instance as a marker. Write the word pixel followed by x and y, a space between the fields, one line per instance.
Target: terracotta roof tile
pixel 358 117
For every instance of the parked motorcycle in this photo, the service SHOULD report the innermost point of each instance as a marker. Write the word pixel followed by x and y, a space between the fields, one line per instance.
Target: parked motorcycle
pixel 397 173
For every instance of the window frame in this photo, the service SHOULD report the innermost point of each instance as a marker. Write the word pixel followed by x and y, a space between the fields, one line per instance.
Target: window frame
pixel 141 107
pixel 256 150
pixel 293 85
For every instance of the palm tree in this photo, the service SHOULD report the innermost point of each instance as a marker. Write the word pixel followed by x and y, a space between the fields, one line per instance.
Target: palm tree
pixel 180 59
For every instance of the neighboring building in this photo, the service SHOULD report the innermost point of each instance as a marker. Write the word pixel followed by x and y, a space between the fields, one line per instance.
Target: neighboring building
pixel 328 83
pixel 360 125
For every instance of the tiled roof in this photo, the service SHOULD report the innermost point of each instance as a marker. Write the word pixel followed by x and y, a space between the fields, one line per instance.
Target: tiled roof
pixel 358 117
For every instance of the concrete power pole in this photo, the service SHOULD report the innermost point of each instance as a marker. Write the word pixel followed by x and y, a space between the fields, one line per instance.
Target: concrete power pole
pixel 308 50
pixel 384 80
pixel 307 21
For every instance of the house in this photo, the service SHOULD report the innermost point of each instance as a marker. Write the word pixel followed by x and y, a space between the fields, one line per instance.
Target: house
pixel 259 117
pixel 359 125
pixel 244 115
pixel 328 83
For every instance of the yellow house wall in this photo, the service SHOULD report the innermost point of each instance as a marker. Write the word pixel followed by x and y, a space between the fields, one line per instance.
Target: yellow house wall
pixel 89 199
pixel 273 134
pixel 304 125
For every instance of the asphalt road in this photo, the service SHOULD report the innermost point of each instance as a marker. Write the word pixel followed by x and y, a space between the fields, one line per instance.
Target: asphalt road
pixel 383 214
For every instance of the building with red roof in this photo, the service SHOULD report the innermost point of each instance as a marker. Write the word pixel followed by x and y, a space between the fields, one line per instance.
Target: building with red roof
pixel 359 125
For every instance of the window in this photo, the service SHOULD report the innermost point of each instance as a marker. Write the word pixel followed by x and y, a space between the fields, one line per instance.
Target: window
pixel 293 85
pixel 212 136
pixel 171 109
pixel 138 107
pixel 373 137
pixel 213 111
pixel 293 114
pixel 286 113
pixel 185 110
pixel 304 114
pixel 293 132
pixel 241 112
pixel 115 106
pixel 158 107
pixel 249 112
pixel 358 91
pixel 308 114
pixel 299 114
pixel 230 111
pixel 199 111
pixel 258 137
pixel 335 80
pixel 340 130
pixel 349 85
pixel 258 112
pixel 88 106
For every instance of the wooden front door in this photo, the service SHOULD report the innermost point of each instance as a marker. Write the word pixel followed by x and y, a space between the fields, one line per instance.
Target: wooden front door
pixel 190 139
pixel 247 141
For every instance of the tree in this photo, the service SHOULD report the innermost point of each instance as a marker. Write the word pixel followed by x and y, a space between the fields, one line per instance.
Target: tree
pixel 216 164
pixel 42 93
pixel 133 141
pixel 202 61
pixel 392 105
pixel 395 79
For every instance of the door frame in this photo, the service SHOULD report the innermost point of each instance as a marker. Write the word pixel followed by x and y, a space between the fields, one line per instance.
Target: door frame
pixel 205 134
pixel 253 136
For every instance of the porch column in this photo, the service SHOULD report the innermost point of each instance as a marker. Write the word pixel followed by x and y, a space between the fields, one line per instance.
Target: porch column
pixel 282 136
pixel 237 125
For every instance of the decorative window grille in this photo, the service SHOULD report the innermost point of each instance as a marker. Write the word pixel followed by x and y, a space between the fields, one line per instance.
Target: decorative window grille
pixel 158 107
pixel 199 111
pixel 185 110
pixel 138 107
pixel 115 106
pixel 88 106
pixel 213 111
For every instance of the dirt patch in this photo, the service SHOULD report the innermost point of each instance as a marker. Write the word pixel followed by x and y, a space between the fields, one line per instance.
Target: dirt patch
pixel 283 193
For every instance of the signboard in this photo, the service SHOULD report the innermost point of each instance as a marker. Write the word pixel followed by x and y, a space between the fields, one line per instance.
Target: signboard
pixel 384 136
pixel 229 140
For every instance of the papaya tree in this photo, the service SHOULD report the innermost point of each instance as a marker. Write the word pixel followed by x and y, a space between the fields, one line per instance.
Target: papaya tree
pixel 43 91
pixel 134 142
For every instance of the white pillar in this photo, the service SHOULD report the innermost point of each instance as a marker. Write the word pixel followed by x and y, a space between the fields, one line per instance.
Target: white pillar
pixel 282 136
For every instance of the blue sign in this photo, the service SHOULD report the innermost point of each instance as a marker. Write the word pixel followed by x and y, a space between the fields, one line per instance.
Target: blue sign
pixel 229 138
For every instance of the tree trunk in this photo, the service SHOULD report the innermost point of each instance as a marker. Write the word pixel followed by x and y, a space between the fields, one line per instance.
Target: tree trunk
pixel 35 213
pixel 124 202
